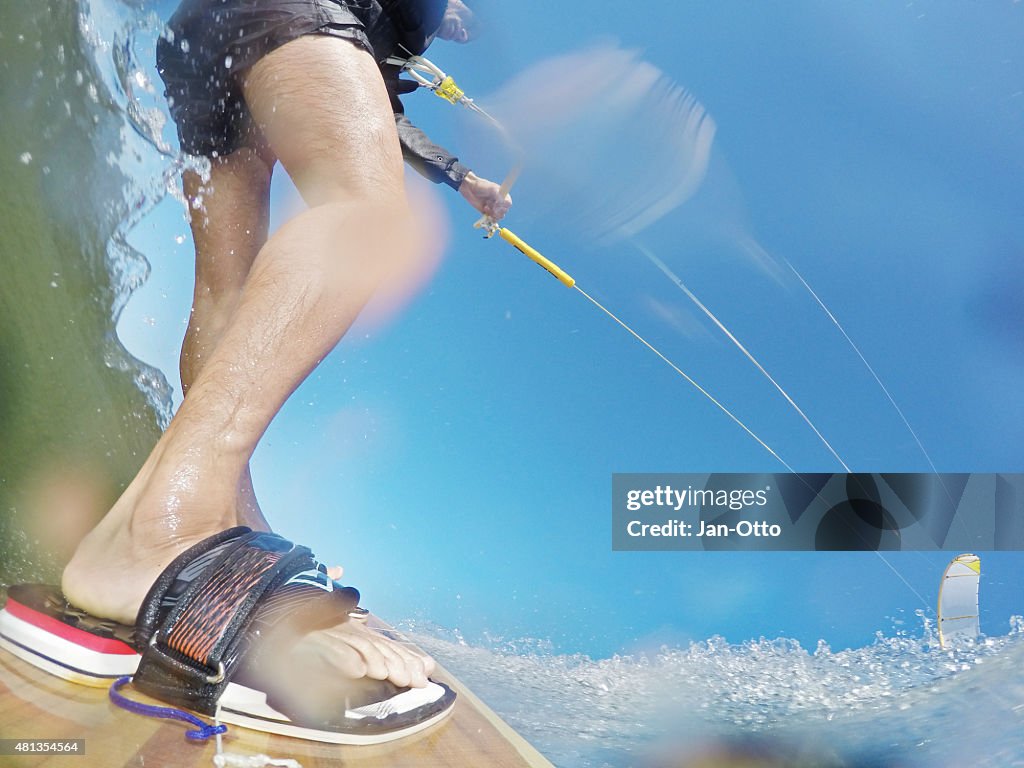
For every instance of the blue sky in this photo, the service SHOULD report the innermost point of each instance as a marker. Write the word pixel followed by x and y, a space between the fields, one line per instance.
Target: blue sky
pixel 457 457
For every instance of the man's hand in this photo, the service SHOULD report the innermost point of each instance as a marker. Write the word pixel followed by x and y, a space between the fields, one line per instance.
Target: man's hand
pixel 484 195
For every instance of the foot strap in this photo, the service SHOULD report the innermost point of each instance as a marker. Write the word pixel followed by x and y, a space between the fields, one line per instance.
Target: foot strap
pixel 205 611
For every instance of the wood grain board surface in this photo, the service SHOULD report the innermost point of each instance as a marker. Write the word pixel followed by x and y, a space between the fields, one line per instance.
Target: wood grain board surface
pixel 36 705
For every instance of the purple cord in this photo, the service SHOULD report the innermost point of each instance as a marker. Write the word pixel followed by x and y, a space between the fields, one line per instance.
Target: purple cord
pixel 203 732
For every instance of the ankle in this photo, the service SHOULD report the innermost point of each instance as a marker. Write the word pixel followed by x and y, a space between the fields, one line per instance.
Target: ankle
pixel 114 566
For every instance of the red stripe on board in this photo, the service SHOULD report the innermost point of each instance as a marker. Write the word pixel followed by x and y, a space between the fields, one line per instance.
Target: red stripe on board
pixel 72 634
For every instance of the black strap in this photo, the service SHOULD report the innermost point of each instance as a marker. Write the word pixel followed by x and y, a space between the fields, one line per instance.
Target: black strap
pixel 198 643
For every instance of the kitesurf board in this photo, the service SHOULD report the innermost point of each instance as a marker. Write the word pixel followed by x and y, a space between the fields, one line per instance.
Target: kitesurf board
pixel 35 705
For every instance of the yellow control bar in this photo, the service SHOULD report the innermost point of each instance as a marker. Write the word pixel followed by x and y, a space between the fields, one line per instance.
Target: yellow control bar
pixel 534 255
pixel 449 91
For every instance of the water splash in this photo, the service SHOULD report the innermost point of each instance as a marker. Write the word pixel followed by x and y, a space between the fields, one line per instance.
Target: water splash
pixel 901 696
pixel 122 40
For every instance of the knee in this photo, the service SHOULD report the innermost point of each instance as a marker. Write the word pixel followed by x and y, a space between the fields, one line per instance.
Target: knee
pixel 380 222
pixel 334 183
pixel 370 239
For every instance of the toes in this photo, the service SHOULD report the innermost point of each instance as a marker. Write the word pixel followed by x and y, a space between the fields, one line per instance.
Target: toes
pixel 429 665
pixel 397 669
pixel 354 651
pixel 404 667
pixel 381 658
pixel 351 639
pixel 412 667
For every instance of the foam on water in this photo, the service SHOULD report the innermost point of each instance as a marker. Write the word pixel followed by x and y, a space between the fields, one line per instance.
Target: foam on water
pixel 901 700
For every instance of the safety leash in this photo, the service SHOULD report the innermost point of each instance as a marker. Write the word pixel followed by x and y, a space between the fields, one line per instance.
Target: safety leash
pixel 202 732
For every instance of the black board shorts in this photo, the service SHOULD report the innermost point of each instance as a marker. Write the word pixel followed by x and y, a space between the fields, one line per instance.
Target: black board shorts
pixel 209 42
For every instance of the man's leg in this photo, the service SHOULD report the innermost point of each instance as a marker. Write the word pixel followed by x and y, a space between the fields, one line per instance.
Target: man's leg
pixel 229 217
pixel 324 110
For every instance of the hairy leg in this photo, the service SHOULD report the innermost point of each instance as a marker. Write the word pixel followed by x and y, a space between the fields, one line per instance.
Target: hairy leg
pixel 229 217
pixel 323 108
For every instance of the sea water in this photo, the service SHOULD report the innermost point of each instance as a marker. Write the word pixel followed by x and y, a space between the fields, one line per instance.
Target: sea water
pixel 900 700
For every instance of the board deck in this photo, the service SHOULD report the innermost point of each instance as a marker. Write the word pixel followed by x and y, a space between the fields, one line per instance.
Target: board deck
pixel 37 705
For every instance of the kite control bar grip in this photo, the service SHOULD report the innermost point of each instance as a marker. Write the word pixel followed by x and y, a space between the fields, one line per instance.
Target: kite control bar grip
pixel 449 91
pixel 534 255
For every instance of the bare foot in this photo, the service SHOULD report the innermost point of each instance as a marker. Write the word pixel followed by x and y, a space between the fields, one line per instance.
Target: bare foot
pixel 114 566
pixel 354 651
